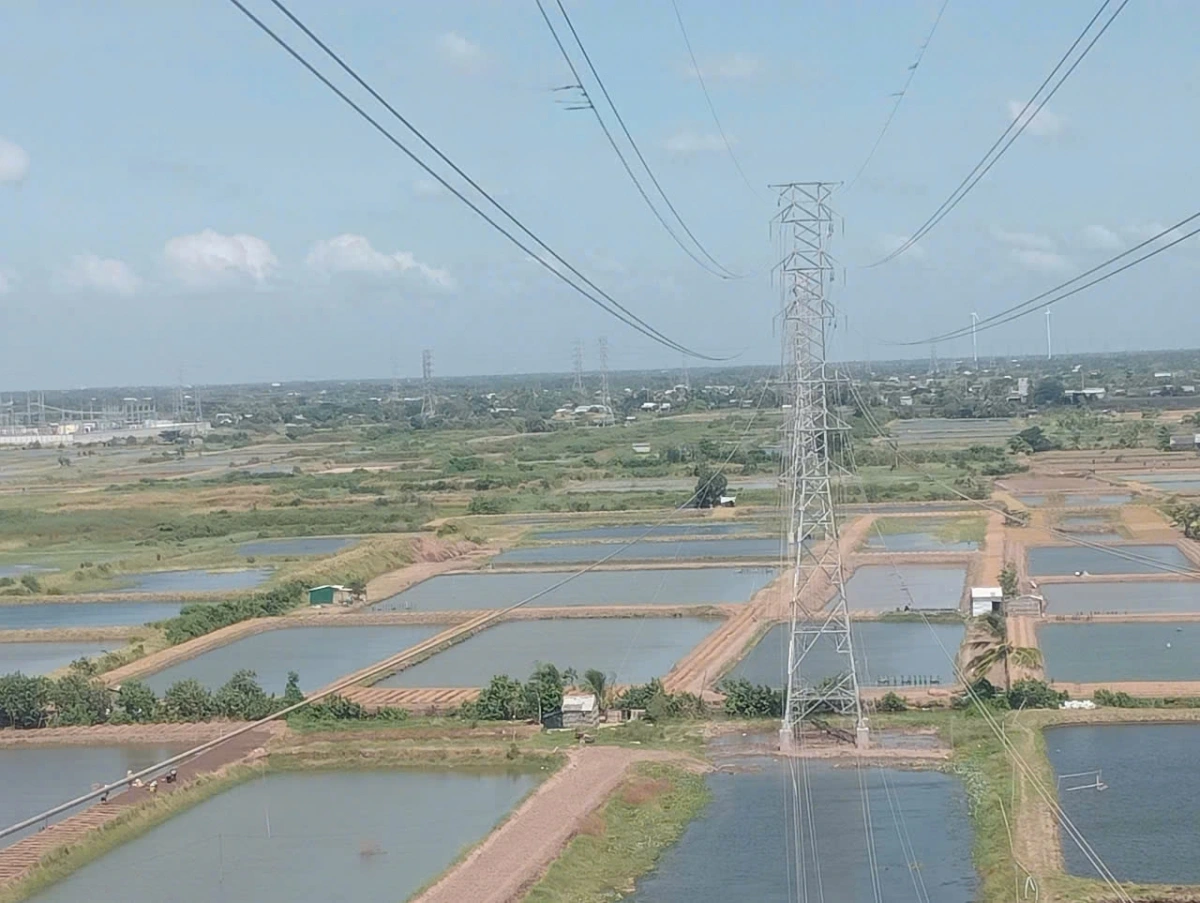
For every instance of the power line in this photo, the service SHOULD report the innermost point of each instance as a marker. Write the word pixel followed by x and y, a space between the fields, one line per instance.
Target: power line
pixel 708 98
pixel 597 296
pixel 1010 134
pixel 912 71
pixel 1051 296
pixel 724 273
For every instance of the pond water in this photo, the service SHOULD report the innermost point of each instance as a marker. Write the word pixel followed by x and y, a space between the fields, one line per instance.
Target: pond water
pixel 667 586
pixel 42 658
pixel 1169 482
pixel 1098 652
pixel 199 581
pixel 304 836
pixel 634 650
pixel 299 545
pixel 886 653
pixel 878 587
pixel 1147 596
pixel 18 571
pixel 1144 826
pixel 651 531
pixel 320 655
pixel 923 537
pixel 1053 561
pixel 659 550
pixel 1072 500
pixel 38 778
pixel 45 615
pixel 738 849
pixel 1084 522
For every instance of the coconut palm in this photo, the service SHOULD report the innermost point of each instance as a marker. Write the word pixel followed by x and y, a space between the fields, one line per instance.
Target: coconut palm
pixel 995 648
pixel 598 683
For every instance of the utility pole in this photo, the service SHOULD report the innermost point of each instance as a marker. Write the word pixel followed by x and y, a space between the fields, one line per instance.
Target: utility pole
pixel 606 416
pixel 1049 347
pixel 806 222
pixel 577 356
pixel 428 402
pixel 974 340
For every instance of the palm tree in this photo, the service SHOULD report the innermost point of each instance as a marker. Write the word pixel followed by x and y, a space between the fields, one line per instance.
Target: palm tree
pixel 598 683
pixel 996 649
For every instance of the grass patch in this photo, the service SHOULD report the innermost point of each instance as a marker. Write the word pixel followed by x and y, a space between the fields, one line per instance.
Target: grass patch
pixel 625 839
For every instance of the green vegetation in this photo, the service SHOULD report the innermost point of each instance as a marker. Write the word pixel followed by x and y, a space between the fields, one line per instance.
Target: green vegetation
pixel 1186 516
pixel 200 618
pixel 746 700
pixel 626 838
pixel 1010 584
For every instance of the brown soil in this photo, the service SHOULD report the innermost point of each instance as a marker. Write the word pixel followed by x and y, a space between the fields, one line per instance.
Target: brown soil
pixel 433 557
pixel 69 634
pixel 512 858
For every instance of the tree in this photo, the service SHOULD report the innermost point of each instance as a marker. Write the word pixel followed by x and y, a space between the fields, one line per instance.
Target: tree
pixel 892 703
pixel 357 587
pixel 79 700
pixel 503 699
pixel 31 583
pixel 1009 583
pixel 1034 694
pixel 1162 438
pixel 710 486
pixel 994 648
pixel 747 700
pixel 1186 516
pixel 187 700
pixel 597 682
pixel 1048 391
pixel 24 701
pixel 544 692
pixel 292 693
pixel 242 698
pixel 1035 439
pixel 137 701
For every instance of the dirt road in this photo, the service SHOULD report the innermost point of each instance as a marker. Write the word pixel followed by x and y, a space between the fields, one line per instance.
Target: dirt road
pixel 503 867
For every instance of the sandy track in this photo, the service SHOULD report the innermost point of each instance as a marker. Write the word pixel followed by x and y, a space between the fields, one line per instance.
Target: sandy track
pixel 1022 631
pixel 19 858
pixel 503 867
pixel 70 634
pixel 1141 688
pixel 445 556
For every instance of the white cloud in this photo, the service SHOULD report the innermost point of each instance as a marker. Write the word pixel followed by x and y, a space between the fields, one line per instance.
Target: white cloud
pixel 14 161
pixel 1144 231
pixel 1032 240
pixel 208 258
pixel 427 188
pixel 459 51
pixel 1042 261
pixel 1101 238
pixel 1044 123
pixel 8 280
pixel 893 243
pixel 695 143
pixel 354 254
pixel 102 274
pixel 732 67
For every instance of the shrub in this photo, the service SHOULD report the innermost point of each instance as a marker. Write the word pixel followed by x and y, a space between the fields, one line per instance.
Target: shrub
pixel 24 701
pixel 1034 694
pixel 1118 700
pixel 200 618
pixel 187 700
pixel 747 700
pixel 136 702
pixel 79 700
pixel 892 703
pixel 242 698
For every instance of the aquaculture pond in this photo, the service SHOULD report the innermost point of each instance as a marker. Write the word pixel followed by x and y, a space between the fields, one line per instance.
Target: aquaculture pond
pixel 1147 596
pixel 665 586
pixel 646 550
pixel 651 531
pixel 1096 652
pixel 738 848
pixel 16 571
pixel 1182 481
pixel 299 546
pixel 47 615
pixel 197 581
pixel 916 536
pixel 887 653
pixel 42 658
pixel 37 778
pixel 1143 825
pixel 320 655
pixel 304 837
pixel 1126 558
pixel 633 650
pixel 1069 500
pixel 880 587
pixel 1085 522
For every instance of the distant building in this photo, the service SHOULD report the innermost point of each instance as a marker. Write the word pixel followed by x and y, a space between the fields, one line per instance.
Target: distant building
pixel 330 594
pixel 727 501
pixel 1096 393
pixel 641 448
pixel 1185 443
pixel 985 600
pixel 580 710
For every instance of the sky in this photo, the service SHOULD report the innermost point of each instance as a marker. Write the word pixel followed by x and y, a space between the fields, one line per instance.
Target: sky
pixel 179 199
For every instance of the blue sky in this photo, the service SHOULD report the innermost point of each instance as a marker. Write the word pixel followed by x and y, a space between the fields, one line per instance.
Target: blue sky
pixel 177 196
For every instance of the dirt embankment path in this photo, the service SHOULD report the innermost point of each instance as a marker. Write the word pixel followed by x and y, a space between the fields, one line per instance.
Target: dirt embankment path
pixel 433 557
pixel 19 858
pixel 515 855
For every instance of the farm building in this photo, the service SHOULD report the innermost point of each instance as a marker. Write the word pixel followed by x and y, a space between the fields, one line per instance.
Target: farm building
pixel 330 594
pixel 580 710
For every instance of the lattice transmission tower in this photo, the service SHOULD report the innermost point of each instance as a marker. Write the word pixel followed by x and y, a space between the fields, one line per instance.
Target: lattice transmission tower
pixel 606 409
pixel 577 360
pixel 820 618
pixel 428 401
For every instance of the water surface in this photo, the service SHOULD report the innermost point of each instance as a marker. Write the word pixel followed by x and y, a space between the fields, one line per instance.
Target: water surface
pixel 299 545
pixel 887 653
pixel 1125 596
pixel 42 658
pixel 880 587
pixel 198 581
pixel 1097 652
pixel 1048 561
pixel 304 837
pixel 738 848
pixel 319 654
pixel 20 570
pixel 629 650
pixel 1169 482
pixel 666 586
pixel 1144 826
pixel 660 550
pixel 650 531
pixel 38 778
pixel 45 615
pixel 1074 500
pixel 1084 521
pixel 918 539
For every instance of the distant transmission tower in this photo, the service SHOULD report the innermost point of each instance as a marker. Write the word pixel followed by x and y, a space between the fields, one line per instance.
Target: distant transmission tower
pixel 577 357
pixel 806 222
pixel 606 416
pixel 428 403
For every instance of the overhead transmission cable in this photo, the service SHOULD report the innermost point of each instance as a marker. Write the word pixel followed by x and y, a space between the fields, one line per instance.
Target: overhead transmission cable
pixel 1018 125
pixel 593 292
pixel 720 270
pixel 900 95
pixel 1038 302
pixel 708 99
